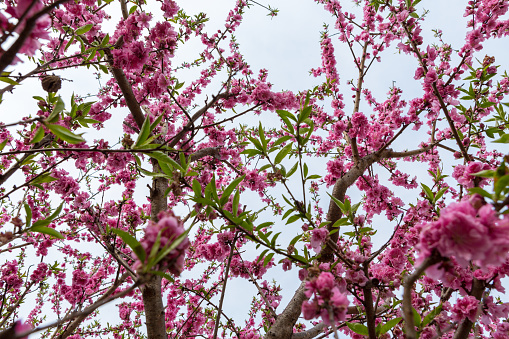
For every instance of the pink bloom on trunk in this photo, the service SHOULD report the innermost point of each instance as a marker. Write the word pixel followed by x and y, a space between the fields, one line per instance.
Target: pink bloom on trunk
pixel 169 228
pixel 465 308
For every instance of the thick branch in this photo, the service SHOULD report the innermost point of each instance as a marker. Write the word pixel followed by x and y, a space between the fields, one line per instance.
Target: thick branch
pixel 151 291
pixel 407 293
pixel 466 326
pixel 368 306
pixel 127 91
pixel 311 333
pixel 283 326
pixel 339 191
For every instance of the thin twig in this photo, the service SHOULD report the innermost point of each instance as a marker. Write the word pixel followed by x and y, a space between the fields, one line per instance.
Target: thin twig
pixel 226 273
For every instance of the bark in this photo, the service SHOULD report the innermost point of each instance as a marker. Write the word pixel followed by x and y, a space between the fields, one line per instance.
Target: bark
pixel 154 309
pixel 151 291
pixel 283 327
pixel 311 333
pixel 466 326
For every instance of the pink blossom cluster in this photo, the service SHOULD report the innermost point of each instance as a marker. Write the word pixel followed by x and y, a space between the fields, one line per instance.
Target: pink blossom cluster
pixel 328 302
pixel 167 229
pixel 468 232
pixel 464 174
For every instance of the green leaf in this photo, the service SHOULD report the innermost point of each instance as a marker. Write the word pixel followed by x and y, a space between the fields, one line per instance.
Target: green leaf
pixel 57 109
pixel 57 212
pixel 46 230
pixel 503 140
pixel 274 239
pixel 485 174
pixel 283 153
pixel 44 178
pixel 37 136
pixel 2 145
pixel 9 81
pixel 228 190
pixel 440 193
pixel 295 239
pixel 480 191
pixel 132 243
pixel 292 170
pixel 358 328
pixel 133 9
pixel 42 223
pixel 260 257
pixel 341 205
pixel 163 158
pixel 282 113
pixel 293 218
pixel 144 132
pixel 84 29
pixel 417 318
pixel 261 133
pixel 28 212
pixel 305 113
pixel 500 185
pixel 156 122
pixel 66 135
pixel 313 176
pixel 431 315
pixel 251 152
pixel 196 188
pixel 69 43
pixel 382 329
pixel 428 192
pixel 267 259
pixel 105 40
pixel 167 249
pixel 281 140
pixel 235 203
pixel 163 275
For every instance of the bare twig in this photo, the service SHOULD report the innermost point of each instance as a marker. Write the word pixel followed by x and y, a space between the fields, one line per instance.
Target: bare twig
pixel 223 290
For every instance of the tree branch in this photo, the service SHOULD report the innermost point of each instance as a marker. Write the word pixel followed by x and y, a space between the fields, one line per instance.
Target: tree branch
pixel 283 326
pixel 466 325
pixel 311 333
pixel 408 284
pixel 8 56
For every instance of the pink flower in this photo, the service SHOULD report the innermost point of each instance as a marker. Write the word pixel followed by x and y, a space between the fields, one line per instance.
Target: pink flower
pixel 79 278
pixel 465 308
pixel 168 229
pixel 328 302
pixel 21 327
pixel 318 236
pixel 467 234
pixel 464 174
pixel 360 126
pixel 40 273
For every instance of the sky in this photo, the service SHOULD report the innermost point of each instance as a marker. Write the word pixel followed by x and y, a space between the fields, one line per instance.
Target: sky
pixel 288 46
